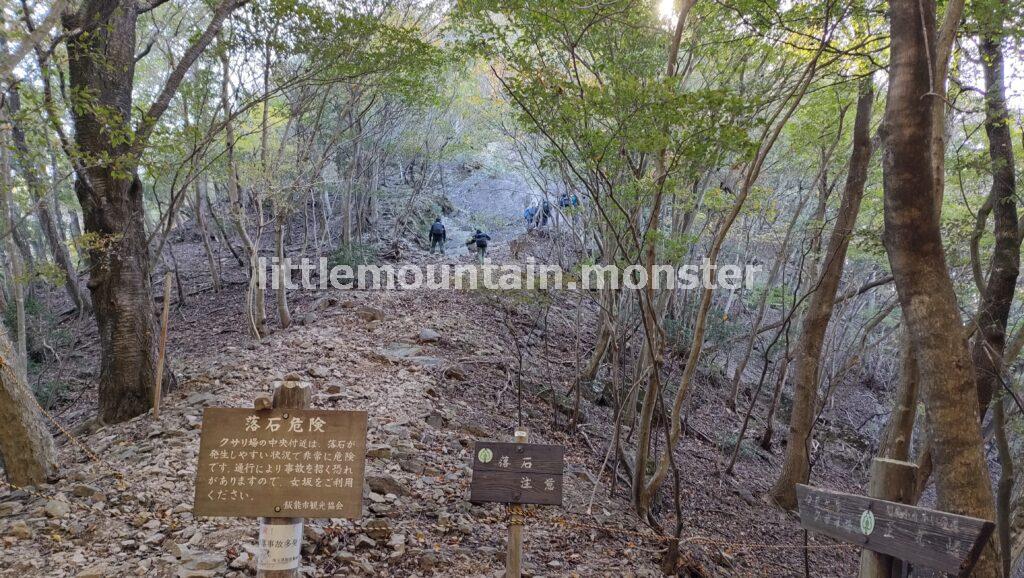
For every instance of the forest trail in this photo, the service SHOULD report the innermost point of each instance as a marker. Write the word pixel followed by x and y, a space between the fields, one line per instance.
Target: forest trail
pixel 433 371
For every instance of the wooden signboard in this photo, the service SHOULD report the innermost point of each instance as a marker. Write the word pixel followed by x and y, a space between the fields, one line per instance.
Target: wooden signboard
pixel 281 463
pixel 939 540
pixel 512 473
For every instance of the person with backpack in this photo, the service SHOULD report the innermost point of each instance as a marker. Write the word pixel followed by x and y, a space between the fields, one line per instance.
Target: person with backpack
pixel 480 239
pixel 545 213
pixel 438 236
pixel 530 215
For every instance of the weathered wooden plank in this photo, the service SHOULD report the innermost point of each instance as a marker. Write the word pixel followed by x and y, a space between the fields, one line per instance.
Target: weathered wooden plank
pixel 281 463
pixel 946 542
pixel 517 473
pixel 515 458
pixel 516 488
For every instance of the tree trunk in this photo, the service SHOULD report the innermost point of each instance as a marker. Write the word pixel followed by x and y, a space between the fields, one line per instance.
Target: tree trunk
pixel 200 190
pixel 796 467
pixel 25 444
pixel 17 274
pixel 255 297
pixel 896 439
pixel 913 241
pixel 284 316
pixel 891 480
pixel 997 297
pixel 37 188
pixel 1004 493
pixel 101 66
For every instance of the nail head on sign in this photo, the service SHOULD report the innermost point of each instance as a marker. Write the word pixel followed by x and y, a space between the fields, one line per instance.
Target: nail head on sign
pixel 277 508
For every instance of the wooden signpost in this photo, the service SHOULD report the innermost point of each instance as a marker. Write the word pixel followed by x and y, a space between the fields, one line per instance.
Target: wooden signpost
pixel 516 474
pixel 921 537
pixel 284 463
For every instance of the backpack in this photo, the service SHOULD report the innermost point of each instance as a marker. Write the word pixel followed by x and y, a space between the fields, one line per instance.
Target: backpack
pixel 481 241
pixel 437 229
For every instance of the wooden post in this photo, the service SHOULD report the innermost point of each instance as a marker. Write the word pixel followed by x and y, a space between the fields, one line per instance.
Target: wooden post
pixel 158 387
pixel 516 513
pixel 894 481
pixel 289 395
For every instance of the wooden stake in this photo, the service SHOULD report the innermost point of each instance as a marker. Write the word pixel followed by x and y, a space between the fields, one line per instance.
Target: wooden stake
pixel 894 481
pixel 158 387
pixel 289 395
pixel 516 515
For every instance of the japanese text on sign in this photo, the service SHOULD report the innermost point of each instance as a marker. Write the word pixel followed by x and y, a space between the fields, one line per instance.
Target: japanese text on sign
pixel 300 463
pixel 517 473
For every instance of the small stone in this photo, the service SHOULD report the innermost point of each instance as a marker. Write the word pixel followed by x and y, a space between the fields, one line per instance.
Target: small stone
pixel 206 562
pixel 241 562
pixel 156 538
pixel 180 551
pixel 84 491
pixel 332 389
pixel 367 313
pixel 98 571
pixel 428 561
pixel 428 335
pixel 20 529
pixel 436 420
pixel 386 485
pixel 313 533
pixel 378 529
pixel 364 541
pixel 378 451
pixel 10 508
pixel 455 372
pixel 57 508
pixel 318 371
pixel 412 465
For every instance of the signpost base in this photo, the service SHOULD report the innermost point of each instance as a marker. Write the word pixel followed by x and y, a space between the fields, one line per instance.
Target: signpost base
pixel 516 513
pixel 281 538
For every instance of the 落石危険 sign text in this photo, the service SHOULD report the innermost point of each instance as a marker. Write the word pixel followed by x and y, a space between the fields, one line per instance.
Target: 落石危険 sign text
pixel 281 463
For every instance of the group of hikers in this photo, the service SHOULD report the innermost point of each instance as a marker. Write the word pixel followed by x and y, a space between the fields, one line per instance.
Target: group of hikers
pixel 535 216
pixel 438 237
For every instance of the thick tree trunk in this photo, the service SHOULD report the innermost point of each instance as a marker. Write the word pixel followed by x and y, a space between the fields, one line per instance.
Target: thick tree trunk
pixel 913 242
pixel 16 275
pixel 997 291
pixel 25 444
pixel 997 297
pixel 47 221
pixel 101 66
pixel 796 467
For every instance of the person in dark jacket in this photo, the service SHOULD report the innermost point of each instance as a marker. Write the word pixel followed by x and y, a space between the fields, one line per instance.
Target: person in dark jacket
pixel 438 236
pixel 530 216
pixel 480 239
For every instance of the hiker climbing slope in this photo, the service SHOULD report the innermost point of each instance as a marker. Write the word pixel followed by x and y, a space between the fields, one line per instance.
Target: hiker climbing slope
pixel 480 239
pixel 438 236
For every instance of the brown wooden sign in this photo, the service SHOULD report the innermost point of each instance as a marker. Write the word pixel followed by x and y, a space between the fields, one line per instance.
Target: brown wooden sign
pixel 281 463
pixel 939 540
pixel 513 473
